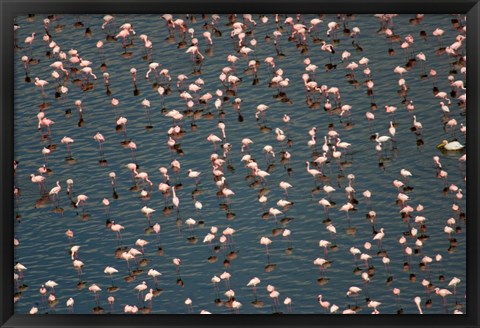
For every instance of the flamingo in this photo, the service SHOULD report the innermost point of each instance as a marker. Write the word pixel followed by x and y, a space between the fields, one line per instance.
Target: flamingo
pixel 41 84
pixel 443 293
pixel 95 289
pixel 374 304
pixel 115 227
pixel 142 243
pixel 70 303
pixel 254 282
pixel 175 200
pixel 147 211
pixel 81 199
pixel 51 284
pixel 354 291
pixel 324 243
pixel 55 190
pixel 379 236
pixel 285 185
pixel 381 139
pixel 144 177
pixel 194 175
pixel 227 193
pixel 324 304
pixel 261 110
pixel 405 173
pixel 140 288
pixel 266 241
pixel 110 271
pixel 149 296
pixel 38 179
pixel 347 207
pixel 67 140
pixel 452 145
pixel 154 273
pixel 313 172
pixel 177 263
pixel 274 211
pixel 454 282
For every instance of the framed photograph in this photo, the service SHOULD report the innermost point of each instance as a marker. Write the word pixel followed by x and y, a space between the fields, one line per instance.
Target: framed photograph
pixel 183 158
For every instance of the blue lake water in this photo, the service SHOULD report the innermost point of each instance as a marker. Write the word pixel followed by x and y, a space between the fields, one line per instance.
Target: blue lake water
pixel 40 225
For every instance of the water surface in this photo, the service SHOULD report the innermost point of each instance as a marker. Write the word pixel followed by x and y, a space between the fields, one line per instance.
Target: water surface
pixel 44 248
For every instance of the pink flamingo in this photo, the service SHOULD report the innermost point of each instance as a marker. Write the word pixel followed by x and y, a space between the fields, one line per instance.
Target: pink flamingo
pixel 266 241
pixel 144 177
pixel 41 84
pixel 67 140
pixel 175 199
pixel 115 227
pixel 54 192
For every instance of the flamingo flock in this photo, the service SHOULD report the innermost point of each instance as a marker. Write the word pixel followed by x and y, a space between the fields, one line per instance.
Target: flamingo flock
pixel 222 163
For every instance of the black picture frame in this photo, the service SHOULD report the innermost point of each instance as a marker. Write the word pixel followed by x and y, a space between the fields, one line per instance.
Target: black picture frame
pixel 10 8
